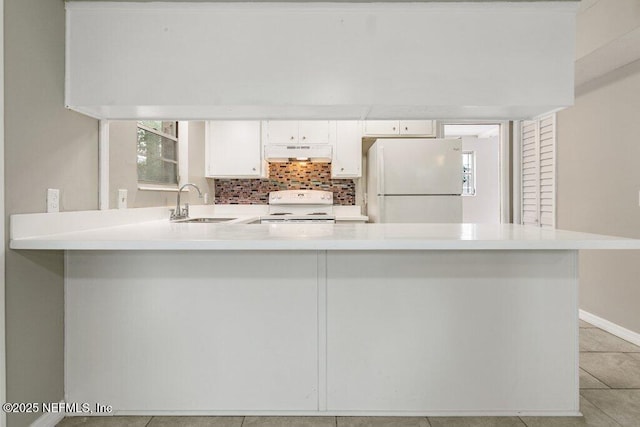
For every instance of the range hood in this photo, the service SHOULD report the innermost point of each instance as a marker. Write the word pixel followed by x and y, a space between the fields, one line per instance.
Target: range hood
pixel 320 153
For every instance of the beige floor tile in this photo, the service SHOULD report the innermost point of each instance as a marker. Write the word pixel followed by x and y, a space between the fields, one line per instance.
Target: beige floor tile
pixel 383 422
pixel 104 422
pixel 617 370
pixel 621 405
pixel 289 422
pixel 593 339
pixel 591 417
pixel 476 422
pixel 584 324
pixel 589 381
pixel 196 422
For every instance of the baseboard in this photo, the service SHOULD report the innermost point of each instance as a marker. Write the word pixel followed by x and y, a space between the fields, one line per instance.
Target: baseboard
pixel 48 419
pixel 612 328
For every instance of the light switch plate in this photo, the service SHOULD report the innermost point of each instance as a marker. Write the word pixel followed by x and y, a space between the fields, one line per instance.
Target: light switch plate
pixel 53 200
pixel 122 199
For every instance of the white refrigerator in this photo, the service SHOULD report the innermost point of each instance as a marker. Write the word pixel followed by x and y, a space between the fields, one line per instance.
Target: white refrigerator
pixel 415 180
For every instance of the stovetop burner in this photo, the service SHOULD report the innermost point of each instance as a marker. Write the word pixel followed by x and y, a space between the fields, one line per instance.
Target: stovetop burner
pixel 281 213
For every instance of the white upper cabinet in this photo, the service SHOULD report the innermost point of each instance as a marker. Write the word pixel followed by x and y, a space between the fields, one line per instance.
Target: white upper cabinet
pixel 319 60
pixel 347 149
pixel 313 132
pixel 400 127
pixel 417 127
pixel 297 132
pixel 281 132
pixel 233 149
pixel 381 127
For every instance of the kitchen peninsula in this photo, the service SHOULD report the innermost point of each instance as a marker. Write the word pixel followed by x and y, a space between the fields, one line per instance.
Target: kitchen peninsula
pixel 349 319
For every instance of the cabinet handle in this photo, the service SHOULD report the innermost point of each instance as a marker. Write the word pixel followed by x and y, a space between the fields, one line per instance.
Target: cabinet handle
pixel 304 137
pixel 253 169
pixel 341 169
pixel 406 128
pixel 292 138
pixel 394 128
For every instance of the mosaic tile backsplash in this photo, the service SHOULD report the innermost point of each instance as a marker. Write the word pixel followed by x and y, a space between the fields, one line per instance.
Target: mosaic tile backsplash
pixel 285 176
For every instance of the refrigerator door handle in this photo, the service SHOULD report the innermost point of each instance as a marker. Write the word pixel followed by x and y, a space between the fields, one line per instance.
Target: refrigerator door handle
pixel 381 208
pixel 381 170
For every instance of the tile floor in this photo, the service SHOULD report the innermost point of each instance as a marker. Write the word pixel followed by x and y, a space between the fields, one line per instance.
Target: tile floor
pixel 609 389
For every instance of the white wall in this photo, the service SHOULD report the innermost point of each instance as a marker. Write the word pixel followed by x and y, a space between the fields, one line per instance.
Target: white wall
pixel 197 162
pixel 46 146
pixel 3 382
pixel 600 22
pixel 484 207
pixel 598 185
pixel 598 174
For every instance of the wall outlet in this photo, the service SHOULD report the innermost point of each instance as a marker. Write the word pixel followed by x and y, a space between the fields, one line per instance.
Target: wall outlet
pixel 53 200
pixel 122 199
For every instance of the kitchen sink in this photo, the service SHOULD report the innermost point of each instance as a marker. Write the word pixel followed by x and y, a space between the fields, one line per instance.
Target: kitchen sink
pixel 206 220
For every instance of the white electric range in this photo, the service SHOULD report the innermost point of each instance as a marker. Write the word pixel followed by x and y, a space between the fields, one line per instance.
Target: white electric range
pixel 300 206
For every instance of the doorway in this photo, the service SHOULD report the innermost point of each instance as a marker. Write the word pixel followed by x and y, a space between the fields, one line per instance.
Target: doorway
pixel 481 152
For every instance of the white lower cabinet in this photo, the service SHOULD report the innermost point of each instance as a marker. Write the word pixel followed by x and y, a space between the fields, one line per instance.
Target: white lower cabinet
pixel 456 332
pixel 233 149
pixel 347 150
pixel 193 331
pixel 279 332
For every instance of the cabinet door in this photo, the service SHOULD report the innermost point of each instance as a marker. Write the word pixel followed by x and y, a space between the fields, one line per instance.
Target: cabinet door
pixel 381 127
pixel 233 149
pixel 282 132
pixel 313 132
pixel 347 150
pixel 417 127
pixel 223 337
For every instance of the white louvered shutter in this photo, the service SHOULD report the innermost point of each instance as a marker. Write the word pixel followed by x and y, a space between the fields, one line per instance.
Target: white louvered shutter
pixel 538 171
pixel 547 126
pixel 530 173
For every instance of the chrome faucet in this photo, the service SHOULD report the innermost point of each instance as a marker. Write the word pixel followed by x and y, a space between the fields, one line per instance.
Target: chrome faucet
pixel 178 212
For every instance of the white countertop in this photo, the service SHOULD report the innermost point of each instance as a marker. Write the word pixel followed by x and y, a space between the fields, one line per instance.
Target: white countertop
pixel 164 235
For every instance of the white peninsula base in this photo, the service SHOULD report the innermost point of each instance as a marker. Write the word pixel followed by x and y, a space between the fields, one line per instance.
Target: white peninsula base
pixel 415 332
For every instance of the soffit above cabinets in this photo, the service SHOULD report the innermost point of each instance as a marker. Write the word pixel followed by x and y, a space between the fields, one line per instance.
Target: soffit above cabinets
pixel 179 60
pixel 583 3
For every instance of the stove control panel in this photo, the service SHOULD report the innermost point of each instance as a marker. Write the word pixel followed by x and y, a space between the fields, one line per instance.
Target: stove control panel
pixel 301 197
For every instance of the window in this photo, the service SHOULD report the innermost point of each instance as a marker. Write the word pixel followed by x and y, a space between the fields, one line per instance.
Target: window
pixel 468 173
pixel 158 153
